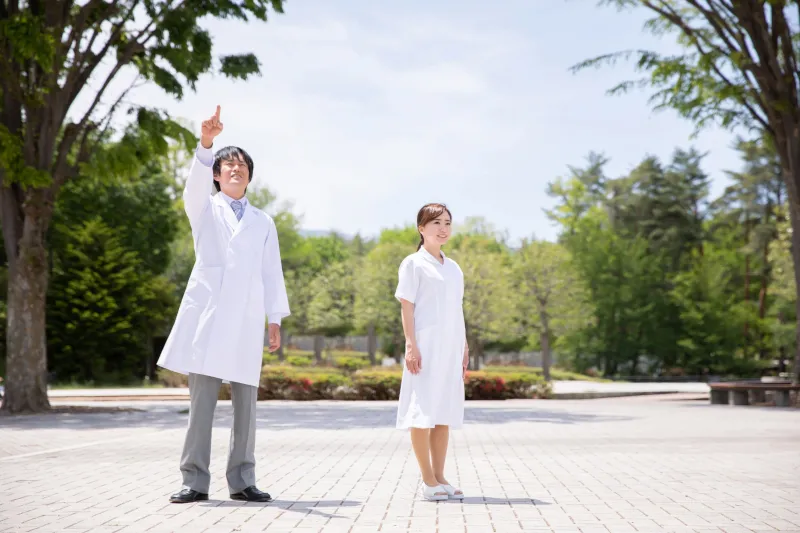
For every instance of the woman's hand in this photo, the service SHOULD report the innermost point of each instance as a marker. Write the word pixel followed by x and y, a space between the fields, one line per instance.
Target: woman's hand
pixel 413 358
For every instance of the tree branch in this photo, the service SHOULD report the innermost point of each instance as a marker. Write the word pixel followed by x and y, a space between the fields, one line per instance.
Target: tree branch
pixel 82 70
pixel 62 173
pixel 77 27
pixel 671 15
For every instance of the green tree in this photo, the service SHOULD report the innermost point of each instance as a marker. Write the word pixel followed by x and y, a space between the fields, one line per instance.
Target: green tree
pixel 751 208
pixel 376 309
pixel 408 235
pixel 330 311
pixel 304 258
pixel 739 67
pixel 103 305
pixel 138 210
pixel 712 315
pixel 49 52
pixel 553 300
pixel 488 300
pixel 783 288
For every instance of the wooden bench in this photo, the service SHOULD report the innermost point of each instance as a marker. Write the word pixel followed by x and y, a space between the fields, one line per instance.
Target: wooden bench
pixel 744 393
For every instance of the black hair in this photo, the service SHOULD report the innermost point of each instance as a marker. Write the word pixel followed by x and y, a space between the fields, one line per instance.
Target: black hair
pixel 228 153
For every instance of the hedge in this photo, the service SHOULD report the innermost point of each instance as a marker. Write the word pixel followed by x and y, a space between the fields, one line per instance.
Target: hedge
pixel 379 383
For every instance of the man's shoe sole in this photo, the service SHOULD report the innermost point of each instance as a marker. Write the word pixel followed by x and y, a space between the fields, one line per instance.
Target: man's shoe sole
pixel 243 498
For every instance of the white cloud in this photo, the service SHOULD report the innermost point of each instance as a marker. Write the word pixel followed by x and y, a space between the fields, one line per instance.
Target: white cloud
pixel 362 116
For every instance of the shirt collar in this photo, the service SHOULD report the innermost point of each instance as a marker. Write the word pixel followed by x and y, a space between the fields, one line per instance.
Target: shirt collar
pixel 228 199
pixel 427 255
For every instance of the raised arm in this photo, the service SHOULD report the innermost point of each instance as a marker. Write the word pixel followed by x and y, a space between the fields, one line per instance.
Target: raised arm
pixel 197 192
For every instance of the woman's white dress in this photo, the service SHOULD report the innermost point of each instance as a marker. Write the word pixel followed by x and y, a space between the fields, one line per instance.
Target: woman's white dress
pixel 434 396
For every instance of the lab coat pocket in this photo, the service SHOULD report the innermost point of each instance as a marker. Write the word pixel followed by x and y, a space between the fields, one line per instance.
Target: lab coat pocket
pixel 203 284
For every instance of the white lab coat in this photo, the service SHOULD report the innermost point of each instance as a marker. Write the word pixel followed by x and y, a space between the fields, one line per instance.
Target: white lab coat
pixel 236 282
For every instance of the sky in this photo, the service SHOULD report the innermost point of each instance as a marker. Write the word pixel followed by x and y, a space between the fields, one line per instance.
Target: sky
pixel 367 110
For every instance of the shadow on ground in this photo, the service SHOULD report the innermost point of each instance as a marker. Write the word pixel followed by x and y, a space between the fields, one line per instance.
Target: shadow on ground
pixel 280 416
pixel 310 507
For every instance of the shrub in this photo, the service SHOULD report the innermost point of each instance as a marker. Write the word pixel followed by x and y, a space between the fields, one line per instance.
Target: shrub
pixel 168 378
pixel 275 382
pixel 377 384
pixel 289 352
pixel 492 385
pixel 298 360
pixel 287 383
pixel 351 363
pixel 557 374
pixel 321 383
pixel 481 386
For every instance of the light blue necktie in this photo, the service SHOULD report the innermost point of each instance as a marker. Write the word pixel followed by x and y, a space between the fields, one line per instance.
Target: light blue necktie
pixel 238 209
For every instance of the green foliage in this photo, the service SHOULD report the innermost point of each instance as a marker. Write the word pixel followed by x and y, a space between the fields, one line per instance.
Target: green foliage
pixel 738 66
pixel 380 384
pixel 406 236
pixel 553 301
pixel 488 293
pixel 376 282
pixel 103 304
pixel 13 160
pixel 330 311
pixel 296 360
pixel 139 211
pixel 557 374
pixel 351 363
pixel 666 270
pixel 294 384
pixel 110 243
pixel 716 80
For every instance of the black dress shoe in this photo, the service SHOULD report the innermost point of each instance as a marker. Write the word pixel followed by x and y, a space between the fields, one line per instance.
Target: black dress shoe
pixel 252 494
pixel 188 496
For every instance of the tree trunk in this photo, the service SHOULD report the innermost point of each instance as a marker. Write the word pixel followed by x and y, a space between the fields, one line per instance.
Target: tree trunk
pixel 26 347
pixel 284 339
pixel 794 214
pixel 746 283
pixel 319 343
pixel 475 352
pixel 547 358
pixel 372 344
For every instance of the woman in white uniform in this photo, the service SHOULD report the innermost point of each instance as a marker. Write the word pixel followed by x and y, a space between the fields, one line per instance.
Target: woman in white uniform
pixel 430 290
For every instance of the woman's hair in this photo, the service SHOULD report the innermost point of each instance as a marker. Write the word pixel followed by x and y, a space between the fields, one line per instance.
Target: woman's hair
pixel 428 213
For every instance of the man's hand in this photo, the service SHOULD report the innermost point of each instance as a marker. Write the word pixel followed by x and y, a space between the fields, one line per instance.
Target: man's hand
pixel 210 129
pixel 274 337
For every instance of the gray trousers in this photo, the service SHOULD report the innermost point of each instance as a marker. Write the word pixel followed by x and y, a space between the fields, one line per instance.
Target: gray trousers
pixel 241 471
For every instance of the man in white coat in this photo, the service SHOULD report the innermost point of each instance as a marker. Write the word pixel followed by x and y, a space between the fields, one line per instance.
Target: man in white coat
pixel 236 282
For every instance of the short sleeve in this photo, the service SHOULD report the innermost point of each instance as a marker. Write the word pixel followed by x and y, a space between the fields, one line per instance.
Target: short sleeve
pixel 407 282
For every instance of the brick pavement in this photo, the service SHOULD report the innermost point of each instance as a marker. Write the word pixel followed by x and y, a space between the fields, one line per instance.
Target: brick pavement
pixel 650 464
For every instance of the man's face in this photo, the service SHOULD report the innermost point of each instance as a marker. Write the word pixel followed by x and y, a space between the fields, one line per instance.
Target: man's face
pixel 234 176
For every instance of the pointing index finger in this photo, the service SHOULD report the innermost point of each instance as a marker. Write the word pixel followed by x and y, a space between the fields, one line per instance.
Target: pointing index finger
pixel 216 115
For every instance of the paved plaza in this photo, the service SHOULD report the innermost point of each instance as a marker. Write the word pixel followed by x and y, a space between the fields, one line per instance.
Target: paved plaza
pixel 646 463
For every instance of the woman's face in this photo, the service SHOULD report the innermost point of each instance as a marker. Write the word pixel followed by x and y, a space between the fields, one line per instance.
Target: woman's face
pixel 437 231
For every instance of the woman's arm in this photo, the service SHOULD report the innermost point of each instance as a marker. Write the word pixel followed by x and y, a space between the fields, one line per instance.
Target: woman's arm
pixel 413 357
